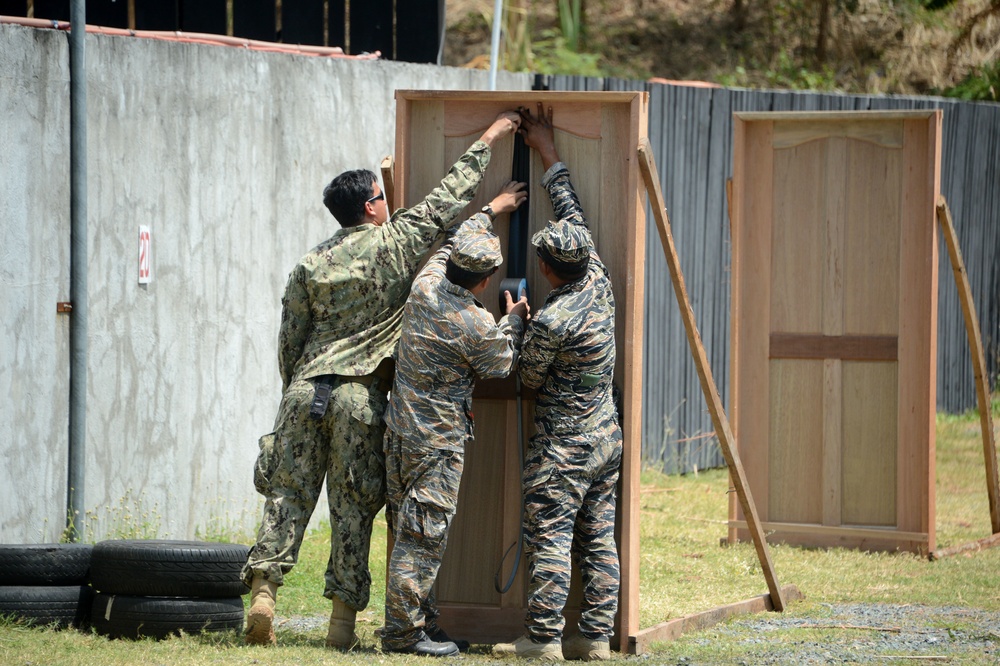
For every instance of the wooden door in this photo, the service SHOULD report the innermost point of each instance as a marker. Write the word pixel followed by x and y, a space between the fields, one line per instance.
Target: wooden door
pixel 597 135
pixel 834 315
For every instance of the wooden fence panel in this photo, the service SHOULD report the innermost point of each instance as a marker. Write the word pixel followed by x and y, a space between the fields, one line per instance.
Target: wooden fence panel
pixel 337 25
pixel 204 16
pixel 420 29
pixel 371 27
pixel 411 31
pixel 57 10
pixel 163 15
pixel 255 19
pixel 302 22
pixel 14 7
pixel 108 13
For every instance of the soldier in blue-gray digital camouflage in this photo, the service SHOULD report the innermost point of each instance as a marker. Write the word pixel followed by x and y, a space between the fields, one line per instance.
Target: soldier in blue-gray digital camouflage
pixel 449 339
pixel 573 461
pixel 341 318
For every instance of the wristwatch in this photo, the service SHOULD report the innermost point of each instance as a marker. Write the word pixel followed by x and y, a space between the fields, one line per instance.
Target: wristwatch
pixel 489 211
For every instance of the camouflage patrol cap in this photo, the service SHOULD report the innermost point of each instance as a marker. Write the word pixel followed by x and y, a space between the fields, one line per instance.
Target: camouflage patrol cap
pixel 476 251
pixel 564 241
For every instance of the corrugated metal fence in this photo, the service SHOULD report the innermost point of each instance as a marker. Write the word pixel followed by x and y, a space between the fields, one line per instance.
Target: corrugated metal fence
pixel 691 131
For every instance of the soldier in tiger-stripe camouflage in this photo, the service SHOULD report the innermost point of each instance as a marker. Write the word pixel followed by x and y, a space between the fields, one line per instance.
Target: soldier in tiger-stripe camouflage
pixel 573 460
pixel 449 339
pixel 341 318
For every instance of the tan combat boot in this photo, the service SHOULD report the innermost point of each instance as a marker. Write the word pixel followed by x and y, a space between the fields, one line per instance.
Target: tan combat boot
pixel 526 648
pixel 586 649
pixel 260 617
pixel 341 633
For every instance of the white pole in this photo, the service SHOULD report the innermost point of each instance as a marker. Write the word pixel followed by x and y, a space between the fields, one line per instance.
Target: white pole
pixel 495 43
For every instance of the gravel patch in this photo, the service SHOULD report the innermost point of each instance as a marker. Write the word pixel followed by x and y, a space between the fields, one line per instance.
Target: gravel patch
pixel 301 624
pixel 870 634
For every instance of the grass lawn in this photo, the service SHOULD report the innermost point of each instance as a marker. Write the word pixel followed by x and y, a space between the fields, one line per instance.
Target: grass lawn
pixel 683 570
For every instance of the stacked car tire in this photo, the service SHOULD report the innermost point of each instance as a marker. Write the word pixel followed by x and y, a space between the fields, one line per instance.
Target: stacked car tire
pixel 138 588
pixel 157 588
pixel 46 584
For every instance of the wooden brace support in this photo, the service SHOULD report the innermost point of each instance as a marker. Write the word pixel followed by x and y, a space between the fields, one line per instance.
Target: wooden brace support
pixel 719 419
pixel 978 360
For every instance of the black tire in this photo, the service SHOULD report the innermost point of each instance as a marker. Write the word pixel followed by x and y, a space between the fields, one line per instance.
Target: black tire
pixel 44 564
pixel 158 568
pixel 60 605
pixel 124 616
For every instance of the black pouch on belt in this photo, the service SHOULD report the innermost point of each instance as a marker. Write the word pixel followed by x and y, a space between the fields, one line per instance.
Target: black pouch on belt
pixel 321 398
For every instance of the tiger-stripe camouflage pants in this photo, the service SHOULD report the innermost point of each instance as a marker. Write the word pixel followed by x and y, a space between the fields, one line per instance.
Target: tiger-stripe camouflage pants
pixel 569 502
pixel 422 484
pixel 345 447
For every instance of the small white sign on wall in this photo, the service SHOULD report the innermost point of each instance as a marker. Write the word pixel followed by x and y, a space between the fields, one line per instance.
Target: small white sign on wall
pixel 145 248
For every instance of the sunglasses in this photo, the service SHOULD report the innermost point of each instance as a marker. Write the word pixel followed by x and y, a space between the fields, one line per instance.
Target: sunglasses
pixel 380 195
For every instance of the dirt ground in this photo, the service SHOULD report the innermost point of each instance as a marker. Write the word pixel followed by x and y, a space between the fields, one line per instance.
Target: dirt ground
pixel 858 634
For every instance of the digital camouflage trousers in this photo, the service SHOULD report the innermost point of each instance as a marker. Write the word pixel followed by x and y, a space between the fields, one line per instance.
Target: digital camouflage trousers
pixel 344 447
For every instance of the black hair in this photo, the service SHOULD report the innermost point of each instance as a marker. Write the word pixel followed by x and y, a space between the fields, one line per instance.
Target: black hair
pixel 564 270
pixel 346 195
pixel 463 278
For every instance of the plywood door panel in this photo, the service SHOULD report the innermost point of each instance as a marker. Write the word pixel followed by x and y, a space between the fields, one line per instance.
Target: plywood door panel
pixel 798 250
pixel 834 291
pixel 480 498
pixel 597 135
pixel 870 444
pixel 796 441
pixel 871 240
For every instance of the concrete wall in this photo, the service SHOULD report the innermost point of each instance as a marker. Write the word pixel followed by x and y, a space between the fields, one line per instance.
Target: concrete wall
pixel 223 153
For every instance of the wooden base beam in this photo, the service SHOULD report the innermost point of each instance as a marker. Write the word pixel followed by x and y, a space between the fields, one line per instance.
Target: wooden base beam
pixel 671 630
pixel 971 547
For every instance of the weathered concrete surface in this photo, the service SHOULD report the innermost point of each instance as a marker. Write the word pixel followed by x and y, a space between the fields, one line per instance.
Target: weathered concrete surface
pixel 223 153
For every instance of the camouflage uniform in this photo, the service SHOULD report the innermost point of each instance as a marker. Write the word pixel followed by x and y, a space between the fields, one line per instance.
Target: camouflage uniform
pixel 448 340
pixel 342 314
pixel 571 469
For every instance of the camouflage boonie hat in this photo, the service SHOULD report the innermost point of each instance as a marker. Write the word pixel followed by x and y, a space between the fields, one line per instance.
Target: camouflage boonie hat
pixel 564 241
pixel 477 251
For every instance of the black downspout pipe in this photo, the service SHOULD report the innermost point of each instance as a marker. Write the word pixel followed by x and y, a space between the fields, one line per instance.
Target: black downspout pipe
pixel 78 272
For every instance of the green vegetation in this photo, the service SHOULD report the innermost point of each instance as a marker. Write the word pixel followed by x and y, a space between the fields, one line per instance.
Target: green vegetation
pixel 982 84
pixel 929 47
pixel 683 570
pixel 129 518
